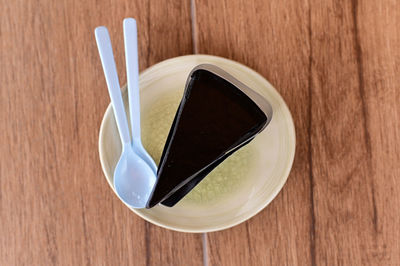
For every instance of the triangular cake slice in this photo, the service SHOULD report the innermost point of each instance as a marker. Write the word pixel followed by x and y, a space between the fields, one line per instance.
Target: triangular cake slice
pixel 216 116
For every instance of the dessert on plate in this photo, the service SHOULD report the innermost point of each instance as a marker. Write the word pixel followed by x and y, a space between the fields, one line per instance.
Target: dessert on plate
pixel 217 115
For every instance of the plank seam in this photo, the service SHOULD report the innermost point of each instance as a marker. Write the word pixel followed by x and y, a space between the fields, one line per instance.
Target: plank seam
pixel 312 213
pixel 205 250
pixel 193 24
pixel 147 242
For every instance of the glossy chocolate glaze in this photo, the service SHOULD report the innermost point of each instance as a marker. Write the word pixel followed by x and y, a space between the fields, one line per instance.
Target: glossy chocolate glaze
pixel 214 119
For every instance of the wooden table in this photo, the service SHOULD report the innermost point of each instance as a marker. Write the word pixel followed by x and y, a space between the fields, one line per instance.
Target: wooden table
pixel 336 63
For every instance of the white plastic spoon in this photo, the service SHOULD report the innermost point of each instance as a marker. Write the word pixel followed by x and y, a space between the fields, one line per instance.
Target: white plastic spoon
pixel 133 177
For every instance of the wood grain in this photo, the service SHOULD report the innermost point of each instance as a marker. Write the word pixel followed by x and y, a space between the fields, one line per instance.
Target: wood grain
pixel 337 66
pixel 379 39
pixel 336 63
pixel 56 207
pixel 348 204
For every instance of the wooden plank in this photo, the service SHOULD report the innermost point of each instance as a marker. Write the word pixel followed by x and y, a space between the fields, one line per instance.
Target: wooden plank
pixel 55 205
pixel 354 169
pixel 378 36
pixel 343 199
pixel 273 38
pixel 336 64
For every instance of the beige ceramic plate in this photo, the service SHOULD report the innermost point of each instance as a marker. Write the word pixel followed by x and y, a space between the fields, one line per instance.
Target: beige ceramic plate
pixel 238 188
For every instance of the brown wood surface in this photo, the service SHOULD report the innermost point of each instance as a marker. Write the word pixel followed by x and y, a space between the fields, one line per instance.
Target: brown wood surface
pixel 336 63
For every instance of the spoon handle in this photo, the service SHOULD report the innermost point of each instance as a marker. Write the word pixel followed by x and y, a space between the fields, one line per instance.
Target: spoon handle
pixel 132 72
pixel 110 71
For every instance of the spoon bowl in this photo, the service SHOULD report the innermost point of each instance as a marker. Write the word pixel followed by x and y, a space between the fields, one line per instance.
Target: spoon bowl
pixel 133 178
